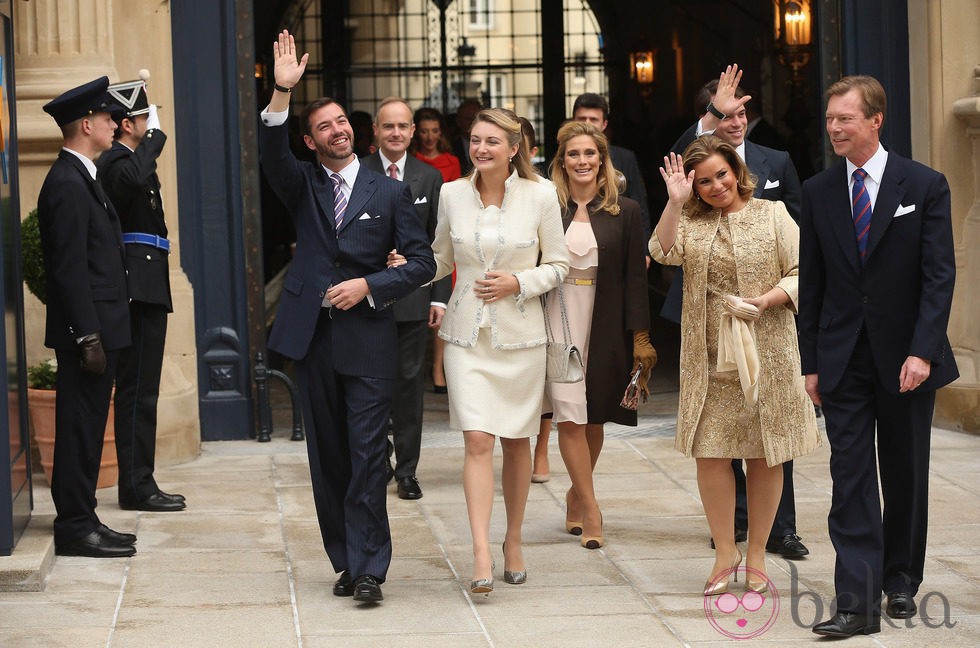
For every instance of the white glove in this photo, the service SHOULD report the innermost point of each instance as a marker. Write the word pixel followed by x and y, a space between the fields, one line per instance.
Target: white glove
pixel 152 119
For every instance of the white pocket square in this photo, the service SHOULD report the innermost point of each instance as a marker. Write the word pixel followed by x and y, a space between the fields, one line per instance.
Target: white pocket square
pixel 902 210
pixel 421 200
pixel 364 216
pixel 771 184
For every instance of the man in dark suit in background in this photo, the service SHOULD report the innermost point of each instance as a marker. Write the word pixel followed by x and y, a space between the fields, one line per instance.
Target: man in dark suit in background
pixel 128 173
pixel 420 310
pixel 87 315
pixel 593 108
pixel 334 318
pixel 876 286
pixel 722 108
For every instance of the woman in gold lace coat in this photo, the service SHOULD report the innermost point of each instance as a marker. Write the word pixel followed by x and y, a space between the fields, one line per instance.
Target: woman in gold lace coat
pixel 732 244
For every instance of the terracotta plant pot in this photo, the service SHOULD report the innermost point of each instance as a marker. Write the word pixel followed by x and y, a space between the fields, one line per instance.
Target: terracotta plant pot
pixel 40 405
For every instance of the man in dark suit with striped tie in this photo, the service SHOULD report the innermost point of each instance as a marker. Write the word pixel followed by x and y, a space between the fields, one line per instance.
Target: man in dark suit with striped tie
pixel 335 318
pixel 876 287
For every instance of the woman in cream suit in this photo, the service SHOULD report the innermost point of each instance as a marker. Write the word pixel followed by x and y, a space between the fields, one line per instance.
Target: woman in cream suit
pixel 494 225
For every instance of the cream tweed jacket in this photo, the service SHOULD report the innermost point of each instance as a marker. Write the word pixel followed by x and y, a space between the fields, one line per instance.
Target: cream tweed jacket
pixel 530 243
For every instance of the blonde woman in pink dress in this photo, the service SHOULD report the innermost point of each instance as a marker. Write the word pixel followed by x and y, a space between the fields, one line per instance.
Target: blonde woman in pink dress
pixel 606 297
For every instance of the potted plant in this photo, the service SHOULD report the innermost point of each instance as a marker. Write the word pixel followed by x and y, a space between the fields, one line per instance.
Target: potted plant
pixel 41 378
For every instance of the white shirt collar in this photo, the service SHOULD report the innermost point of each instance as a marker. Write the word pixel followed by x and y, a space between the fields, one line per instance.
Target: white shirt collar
pixel 348 173
pixel 874 167
pixel 740 149
pixel 385 163
pixel 89 164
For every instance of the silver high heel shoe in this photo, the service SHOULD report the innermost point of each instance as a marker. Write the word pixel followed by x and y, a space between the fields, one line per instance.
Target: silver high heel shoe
pixel 514 577
pixel 484 585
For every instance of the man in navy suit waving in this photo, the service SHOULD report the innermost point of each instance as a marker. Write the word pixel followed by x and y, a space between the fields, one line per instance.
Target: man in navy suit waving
pixel 876 287
pixel 335 320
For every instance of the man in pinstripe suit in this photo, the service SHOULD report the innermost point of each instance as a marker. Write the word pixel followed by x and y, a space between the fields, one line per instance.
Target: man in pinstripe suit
pixel 335 320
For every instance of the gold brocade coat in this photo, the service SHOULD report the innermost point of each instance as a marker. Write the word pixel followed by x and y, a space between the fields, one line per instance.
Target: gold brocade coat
pixel 766 246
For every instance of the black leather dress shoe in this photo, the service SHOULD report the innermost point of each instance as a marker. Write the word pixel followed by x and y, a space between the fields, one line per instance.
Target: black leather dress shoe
pixel 408 488
pixel 789 546
pixel 115 537
pixel 344 585
pixel 741 535
pixel 155 502
pixel 900 606
pixel 847 624
pixel 94 545
pixel 177 497
pixel 367 590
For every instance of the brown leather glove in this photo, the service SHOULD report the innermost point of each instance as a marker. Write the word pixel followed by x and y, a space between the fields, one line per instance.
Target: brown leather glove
pixel 93 356
pixel 643 352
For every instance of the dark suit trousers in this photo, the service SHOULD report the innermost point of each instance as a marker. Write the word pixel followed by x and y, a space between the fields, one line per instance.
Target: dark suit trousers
pixel 877 550
pixel 137 392
pixel 406 411
pixel 347 431
pixel 785 521
pixel 81 410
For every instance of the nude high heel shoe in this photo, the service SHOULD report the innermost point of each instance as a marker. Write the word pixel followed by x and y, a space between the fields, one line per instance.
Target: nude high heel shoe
pixel 594 542
pixel 718 585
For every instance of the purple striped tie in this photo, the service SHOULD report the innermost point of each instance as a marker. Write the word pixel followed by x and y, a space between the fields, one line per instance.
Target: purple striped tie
pixel 861 211
pixel 339 200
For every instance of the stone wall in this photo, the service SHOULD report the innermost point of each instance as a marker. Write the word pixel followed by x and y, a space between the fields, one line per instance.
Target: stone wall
pixel 61 44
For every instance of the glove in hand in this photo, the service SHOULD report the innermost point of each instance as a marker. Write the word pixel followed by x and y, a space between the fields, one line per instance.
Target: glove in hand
pixel 643 352
pixel 93 356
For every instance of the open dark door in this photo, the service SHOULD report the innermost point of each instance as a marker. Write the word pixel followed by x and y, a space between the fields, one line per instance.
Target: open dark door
pixel 15 455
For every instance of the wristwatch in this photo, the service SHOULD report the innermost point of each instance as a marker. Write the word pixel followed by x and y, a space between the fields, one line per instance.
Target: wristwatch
pixel 714 111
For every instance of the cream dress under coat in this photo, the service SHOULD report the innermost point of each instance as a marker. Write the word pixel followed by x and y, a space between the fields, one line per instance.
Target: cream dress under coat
pixel 495 359
pixel 765 243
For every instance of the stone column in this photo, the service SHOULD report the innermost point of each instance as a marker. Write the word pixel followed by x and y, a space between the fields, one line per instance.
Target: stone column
pixel 60 44
pixel 959 404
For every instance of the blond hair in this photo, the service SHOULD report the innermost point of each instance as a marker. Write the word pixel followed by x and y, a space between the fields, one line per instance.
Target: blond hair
pixel 607 178
pixel 510 123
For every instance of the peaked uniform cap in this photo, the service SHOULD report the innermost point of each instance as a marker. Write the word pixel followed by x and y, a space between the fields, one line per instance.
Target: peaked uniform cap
pixel 131 95
pixel 82 101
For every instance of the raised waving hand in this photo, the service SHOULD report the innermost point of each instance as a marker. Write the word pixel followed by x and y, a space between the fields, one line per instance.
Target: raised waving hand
pixel 288 69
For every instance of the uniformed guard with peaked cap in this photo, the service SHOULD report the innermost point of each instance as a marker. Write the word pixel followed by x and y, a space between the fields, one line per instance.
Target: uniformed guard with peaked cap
pixel 87 315
pixel 128 173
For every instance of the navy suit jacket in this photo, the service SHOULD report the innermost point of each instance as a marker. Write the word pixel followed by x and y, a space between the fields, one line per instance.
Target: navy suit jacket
pixel 776 179
pixel 379 217
pixel 83 259
pixel 903 293
pixel 625 162
pixel 424 181
pixel 130 179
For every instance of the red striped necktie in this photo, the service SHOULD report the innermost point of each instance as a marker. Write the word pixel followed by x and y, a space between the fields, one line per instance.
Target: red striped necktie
pixel 861 211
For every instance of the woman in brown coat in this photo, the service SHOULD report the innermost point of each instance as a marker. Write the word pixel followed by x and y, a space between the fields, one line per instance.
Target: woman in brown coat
pixel 606 297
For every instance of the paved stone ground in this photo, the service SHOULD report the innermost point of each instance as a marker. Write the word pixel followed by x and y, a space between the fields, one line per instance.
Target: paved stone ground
pixel 244 565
